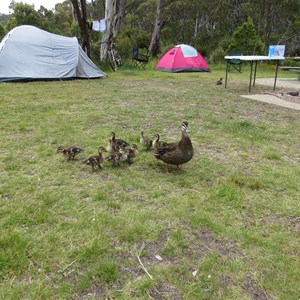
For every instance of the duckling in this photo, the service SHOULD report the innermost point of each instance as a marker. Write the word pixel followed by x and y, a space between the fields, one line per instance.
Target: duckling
pixel 145 142
pixel 115 144
pixel 119 142
pixel 219 82
pixel 111 146
pixel 157 143
pixel 96 160
pixel 70 152
pixel 177 153
pixel 123 154
pixel 116 157
pixel 132 152
pixel 113 158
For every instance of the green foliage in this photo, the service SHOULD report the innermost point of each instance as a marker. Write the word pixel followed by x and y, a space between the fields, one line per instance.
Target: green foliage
pixel 217 56
pixel 57 21
pixel 4 18
pixel 136 34
pixel 75 30
pixel 25 14
pixel 11 24
pixel 165 47
pixel 2 31
pixel 204 25
pixel 124 46
pixel 291 63
pixel 246 40
pixel 63 17
pixel 180 23
pixel 224 43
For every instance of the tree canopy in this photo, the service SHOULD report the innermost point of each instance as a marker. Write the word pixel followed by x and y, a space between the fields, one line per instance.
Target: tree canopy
pixel 209 26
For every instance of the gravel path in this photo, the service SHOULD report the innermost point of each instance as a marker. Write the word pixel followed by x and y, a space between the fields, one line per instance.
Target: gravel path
pixel 273 99
pixel 286 84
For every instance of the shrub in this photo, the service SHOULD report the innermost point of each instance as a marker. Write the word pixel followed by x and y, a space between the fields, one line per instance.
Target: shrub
pixel 246 39
pixel 217 56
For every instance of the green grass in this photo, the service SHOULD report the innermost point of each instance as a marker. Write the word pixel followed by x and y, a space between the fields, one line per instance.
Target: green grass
pixel 226 226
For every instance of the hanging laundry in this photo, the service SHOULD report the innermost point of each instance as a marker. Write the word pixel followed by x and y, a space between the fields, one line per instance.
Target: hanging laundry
pixel 103 25
pixel 96 25
pixel 99 25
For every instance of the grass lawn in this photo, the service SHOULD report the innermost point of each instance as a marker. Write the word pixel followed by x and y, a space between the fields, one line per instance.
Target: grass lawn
pixel 225 227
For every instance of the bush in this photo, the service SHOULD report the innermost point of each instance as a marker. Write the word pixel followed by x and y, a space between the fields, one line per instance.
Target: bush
pixel 217 56
pixel 246 39
pixel 124 46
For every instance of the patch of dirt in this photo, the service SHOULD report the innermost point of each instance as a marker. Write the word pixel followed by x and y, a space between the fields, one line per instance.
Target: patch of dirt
pixel 289 222
pixel 97 292
pixel 214 151
pixel 200 243
pixel 294 160
pixel 205 241
pixel 138 197
pixel 253 291
pixel 225 280
pixel 165 291
pixel 153 252
pixel 284 83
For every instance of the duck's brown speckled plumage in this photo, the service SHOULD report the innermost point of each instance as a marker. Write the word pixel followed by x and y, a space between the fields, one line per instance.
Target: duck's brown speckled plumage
pixel 147 143
pixel 177 153
pixel 115 144
pixel 157 143
pixel 133 151
pixel 96 160
pixel 69 152
pixel 116 157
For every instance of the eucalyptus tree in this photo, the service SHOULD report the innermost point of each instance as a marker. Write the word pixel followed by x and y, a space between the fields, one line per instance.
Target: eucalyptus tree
pixel 63 17
pixel 114 16
pixel 154 44
pixel 25 14
pixel 81 17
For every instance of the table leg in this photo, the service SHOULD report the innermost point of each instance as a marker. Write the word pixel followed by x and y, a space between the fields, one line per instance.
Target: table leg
pixel 251 64
pixel 227 67
pixel 277 64
pixel 255 73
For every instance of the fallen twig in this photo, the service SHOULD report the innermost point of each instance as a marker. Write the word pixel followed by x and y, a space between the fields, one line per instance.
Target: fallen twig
pixel 138 257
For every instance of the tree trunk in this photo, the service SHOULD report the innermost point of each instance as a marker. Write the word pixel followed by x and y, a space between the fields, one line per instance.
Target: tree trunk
pixel 107 37
pixel 154 45
pixel 82 22
pixel 114 15
pixel 119 17
pixel 86 40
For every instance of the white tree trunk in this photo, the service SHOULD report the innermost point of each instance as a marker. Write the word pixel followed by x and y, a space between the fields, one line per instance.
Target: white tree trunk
pixel 154 44
pixel 110 11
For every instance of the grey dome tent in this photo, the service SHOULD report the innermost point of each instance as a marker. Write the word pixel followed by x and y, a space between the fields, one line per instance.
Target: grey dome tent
pixel 29 53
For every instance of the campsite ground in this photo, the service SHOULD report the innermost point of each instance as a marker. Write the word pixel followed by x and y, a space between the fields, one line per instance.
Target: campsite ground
pixel 225 227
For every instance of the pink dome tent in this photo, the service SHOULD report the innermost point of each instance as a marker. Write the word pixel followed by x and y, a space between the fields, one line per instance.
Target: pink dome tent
pixel 182 58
